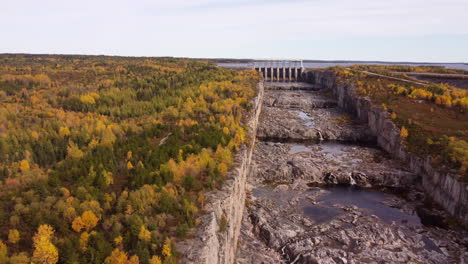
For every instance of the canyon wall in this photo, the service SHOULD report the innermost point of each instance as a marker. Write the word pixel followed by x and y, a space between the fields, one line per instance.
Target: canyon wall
pixel 215 238
pixel 444 188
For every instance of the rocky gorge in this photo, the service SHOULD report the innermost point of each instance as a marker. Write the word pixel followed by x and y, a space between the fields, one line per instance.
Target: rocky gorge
pixel 322 190
pixel 327 181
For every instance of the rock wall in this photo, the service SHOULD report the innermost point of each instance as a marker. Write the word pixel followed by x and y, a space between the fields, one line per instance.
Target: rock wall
pixel 215 239
pixel 444 188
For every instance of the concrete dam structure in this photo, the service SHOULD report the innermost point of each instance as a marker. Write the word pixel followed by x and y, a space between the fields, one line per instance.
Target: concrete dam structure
pixel 280 70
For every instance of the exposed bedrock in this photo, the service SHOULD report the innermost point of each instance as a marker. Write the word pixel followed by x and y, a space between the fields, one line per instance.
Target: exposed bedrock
pixel 353 235
pixel 290 86
pixel 329 196
pixel 299 99
pixel 328 163
pixel 306 115
pixel 443 187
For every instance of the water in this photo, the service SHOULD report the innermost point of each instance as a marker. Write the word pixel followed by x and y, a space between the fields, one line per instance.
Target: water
pixel 322 214
pixel 330 149
pixel 460 66
pixel 304 116
pixel 295 148
pixel 370 201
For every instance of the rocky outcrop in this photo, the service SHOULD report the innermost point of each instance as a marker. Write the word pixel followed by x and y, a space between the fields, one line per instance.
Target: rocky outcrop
pixel 328 163
pixel 353 237
pixel 290 86
pixel 442 187
pixel 299 100
pixel 215 238
pixel 307 116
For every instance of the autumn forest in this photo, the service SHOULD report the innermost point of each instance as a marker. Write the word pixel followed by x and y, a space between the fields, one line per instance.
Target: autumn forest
pixel 106 159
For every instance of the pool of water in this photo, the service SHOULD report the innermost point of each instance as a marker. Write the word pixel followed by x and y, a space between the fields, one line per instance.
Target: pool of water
pixel 321 214
pixel 330 149
pixel 299 148
pixel 304 116
pixel 369 201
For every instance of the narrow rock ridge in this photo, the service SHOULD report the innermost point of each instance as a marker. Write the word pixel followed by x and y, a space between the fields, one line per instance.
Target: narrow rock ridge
pixel 215 238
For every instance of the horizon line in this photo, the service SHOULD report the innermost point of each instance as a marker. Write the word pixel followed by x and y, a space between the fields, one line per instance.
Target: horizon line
pixel 234 59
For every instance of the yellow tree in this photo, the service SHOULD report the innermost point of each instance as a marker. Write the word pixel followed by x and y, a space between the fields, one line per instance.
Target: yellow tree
pixel 117 257
pixel 155 260
pixel 24 165
pixel 118 240
pixel 73 151
pixel 3 252
pixel 108 137
pixel 35 135
pixel 403 132
pixel 87 221
pixel 144 234
pixel 44 251
pixel 90 220
pixel 84 238
pixel 77 224
pixel 13 236
pixel 64 131
pixel 222 168
pixel 87 99
pixel 134 260
pixel 166 251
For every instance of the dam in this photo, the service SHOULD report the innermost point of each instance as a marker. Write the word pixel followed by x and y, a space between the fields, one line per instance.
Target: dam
pixel 280 70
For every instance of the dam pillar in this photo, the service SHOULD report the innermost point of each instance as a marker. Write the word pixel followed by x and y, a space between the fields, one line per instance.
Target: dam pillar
pixel 284 74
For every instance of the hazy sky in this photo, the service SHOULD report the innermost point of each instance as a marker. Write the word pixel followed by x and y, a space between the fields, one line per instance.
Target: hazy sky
pixel 393 30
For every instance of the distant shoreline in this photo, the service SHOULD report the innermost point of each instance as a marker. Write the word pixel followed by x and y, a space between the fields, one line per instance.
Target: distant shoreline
pixel 232 60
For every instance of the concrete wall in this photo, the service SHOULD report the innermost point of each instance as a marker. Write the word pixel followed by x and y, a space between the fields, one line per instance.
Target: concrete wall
pixel 444 188
pixel 210 245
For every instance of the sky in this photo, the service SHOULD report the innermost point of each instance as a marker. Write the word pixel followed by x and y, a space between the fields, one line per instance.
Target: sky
pixel 387 30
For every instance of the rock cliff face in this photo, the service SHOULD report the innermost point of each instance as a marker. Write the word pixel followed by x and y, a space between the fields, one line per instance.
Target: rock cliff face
pixel 444 188
pixel 215 239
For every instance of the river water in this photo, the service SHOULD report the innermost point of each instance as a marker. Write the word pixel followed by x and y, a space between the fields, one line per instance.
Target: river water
pixel 368 200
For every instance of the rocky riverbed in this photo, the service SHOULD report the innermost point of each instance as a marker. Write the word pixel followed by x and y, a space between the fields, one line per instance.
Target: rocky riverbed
pixel 321 192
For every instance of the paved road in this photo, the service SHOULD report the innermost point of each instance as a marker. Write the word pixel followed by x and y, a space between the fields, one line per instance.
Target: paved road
pixel 393 78
pixel 430 74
